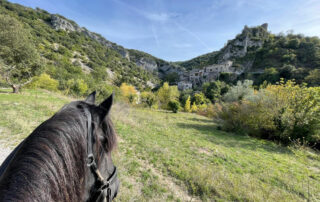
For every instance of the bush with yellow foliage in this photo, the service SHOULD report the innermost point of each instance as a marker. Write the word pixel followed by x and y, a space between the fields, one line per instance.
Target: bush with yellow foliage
pixel 129 93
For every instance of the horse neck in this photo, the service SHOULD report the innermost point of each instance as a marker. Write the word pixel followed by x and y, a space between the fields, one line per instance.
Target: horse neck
pixel 50 166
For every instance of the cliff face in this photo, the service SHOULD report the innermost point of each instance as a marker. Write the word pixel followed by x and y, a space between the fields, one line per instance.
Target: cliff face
pixel 250 39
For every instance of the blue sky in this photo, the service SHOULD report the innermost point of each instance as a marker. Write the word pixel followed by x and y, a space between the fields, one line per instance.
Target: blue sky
pixel 177 30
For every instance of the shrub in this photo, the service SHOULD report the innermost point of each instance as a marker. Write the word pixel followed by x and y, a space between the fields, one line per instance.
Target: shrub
pixel 148 98
pixel 187 106
pixel 44 81
pixel 314 77
pixel 211 110
pixel 194 107
pixel 230 117
pixel 214 90
pixel 129 92
pixel 76 87
pixel 200 98
pixel 104 90
pixel 285 112
pixel 239 91
pixel 174 106
pixel 167 93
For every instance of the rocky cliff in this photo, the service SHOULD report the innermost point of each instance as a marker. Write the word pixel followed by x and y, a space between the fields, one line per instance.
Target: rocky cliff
pixel 60 23
pixel 249 38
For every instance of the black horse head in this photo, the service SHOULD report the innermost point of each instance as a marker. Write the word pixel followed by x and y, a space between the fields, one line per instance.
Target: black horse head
pixel 67 158
pixel 103 183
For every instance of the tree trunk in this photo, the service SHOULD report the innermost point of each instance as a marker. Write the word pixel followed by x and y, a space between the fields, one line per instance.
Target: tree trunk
pixel 15 88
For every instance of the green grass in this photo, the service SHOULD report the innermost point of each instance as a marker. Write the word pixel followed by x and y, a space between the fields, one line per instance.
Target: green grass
pixel 21 113
pixel 163 156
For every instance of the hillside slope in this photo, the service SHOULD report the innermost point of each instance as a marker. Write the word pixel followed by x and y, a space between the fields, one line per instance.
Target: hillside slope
pixel 163 156
pixel 73 52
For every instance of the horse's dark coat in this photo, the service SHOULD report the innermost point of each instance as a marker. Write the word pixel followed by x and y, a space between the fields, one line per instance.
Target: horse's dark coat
pixel 50 164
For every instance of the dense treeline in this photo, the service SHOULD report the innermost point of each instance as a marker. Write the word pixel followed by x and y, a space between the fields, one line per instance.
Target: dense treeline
pixel 291 56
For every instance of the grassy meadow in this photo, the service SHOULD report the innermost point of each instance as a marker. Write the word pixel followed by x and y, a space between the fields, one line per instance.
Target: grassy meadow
pixel 163 156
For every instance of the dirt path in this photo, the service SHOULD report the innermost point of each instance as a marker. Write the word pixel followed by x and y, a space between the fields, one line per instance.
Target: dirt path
pixel 171 183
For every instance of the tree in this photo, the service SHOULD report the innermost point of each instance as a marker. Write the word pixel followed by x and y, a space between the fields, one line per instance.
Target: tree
pixel 293 43
pixel 184 95
pixel 314 77
pixel 172 77
pixel 148 98
pixel 286 71
pixel 214 90
pixel 194 107
pixel 200 98
pixel 20 59
pixel 167 93
pixel 270 74
pixel 187 107
pixel 128 92
pixel 174 106
pixel 239 92
pixel 76 87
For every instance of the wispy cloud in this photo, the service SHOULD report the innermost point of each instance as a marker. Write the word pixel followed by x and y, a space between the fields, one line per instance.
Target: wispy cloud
pixel 163 17
pixel 195 36
pixel 159 17
pixel 155 35
pixel 152 16
pixel 182 45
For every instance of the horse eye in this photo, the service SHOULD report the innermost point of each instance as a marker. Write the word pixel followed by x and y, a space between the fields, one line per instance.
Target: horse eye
pixel 79 106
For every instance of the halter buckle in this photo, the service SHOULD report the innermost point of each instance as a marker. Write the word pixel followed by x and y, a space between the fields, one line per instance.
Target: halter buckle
pixel 90 160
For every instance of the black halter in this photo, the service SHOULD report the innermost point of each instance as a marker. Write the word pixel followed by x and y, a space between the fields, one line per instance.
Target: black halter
pixel 102 191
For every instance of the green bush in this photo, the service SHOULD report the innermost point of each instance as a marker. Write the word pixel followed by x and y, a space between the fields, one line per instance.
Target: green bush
pixel 148 98
pixel 76 87
pixel 44 81
pixel 174 106
pixel 239 92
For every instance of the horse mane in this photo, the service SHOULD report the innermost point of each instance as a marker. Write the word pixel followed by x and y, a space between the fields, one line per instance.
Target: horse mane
pixel 53 159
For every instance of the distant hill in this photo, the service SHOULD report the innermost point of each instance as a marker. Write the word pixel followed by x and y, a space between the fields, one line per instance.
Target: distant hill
pixel 73 52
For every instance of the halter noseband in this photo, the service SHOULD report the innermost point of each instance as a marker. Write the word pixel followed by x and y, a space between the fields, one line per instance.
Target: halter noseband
pixel 103 187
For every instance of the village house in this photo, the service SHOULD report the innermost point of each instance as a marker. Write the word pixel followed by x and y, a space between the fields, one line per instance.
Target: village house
pixel 208 73
pixel 197 77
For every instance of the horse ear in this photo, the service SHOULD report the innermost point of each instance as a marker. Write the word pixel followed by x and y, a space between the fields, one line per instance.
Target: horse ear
pixel 105 106
pixel 91 99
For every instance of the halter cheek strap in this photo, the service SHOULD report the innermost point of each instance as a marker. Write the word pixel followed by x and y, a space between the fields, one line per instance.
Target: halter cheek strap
pixel 103 191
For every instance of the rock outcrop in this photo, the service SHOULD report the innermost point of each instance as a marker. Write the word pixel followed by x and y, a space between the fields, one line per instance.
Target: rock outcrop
pixel 60 23
pixel 249 38
pixel 148 64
